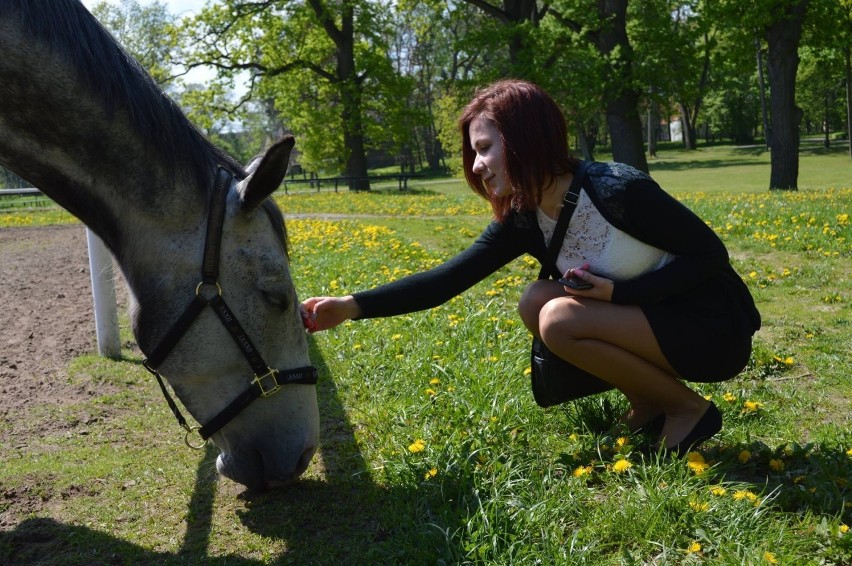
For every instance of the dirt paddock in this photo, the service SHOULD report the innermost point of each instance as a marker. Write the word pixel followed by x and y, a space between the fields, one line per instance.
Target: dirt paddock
pixel 47 318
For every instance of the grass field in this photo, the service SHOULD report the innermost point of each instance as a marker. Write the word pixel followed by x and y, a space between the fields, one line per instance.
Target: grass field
pixel 432 449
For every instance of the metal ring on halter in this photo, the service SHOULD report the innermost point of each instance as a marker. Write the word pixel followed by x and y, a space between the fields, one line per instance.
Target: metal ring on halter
pixel 202 284
pixel 189 431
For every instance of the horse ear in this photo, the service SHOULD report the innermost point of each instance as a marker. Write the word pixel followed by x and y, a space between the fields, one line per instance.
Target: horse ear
pixel 268 174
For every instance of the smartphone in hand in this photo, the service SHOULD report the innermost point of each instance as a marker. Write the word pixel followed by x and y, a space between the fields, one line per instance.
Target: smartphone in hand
pixel 574 283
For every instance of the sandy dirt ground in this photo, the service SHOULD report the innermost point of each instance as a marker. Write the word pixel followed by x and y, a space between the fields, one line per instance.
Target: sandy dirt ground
pixel 46 320
pixel 47 316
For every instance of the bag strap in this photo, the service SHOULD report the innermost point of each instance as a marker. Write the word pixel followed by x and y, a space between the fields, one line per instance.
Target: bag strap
pixel 569 203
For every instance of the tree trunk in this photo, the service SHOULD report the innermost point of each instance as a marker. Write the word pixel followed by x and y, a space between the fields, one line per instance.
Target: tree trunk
pixel 767 131
pixel 585 146
pixel 849 98
pixel 622 114
pixel 349 87
pixel 688 129
pixel 783 37
pixel 653 124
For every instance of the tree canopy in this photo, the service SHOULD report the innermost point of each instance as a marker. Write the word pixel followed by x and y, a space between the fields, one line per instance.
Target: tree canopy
pixel 375 83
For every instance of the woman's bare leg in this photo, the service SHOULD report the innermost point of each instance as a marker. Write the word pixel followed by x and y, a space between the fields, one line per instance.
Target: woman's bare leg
pixel 642 410
pixel 615 343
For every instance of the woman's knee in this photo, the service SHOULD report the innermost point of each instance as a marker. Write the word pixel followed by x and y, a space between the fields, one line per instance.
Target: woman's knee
pixel 535 296
pixel 561 318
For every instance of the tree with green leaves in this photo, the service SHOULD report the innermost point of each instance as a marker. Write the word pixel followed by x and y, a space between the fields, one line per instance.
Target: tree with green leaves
pixel 603 24
pixel 146 32
pixel 324 63
pixel 778 25
pixel 827 64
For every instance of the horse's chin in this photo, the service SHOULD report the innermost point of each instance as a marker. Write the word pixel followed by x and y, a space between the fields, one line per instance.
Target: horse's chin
pixel 248 469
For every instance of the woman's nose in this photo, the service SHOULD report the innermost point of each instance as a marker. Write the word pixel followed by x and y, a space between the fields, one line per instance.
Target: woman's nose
pixel 478 167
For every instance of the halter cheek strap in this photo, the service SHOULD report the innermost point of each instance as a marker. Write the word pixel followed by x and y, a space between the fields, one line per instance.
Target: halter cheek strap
pixel 267 381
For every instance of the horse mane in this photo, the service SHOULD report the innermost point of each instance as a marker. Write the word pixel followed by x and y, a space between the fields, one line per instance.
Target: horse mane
pixel 119 82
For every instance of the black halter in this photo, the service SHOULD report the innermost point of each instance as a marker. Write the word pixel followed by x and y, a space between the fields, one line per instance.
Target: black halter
pixel 267 381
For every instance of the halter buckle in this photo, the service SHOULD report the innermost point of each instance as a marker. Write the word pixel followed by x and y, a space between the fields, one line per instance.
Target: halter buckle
pixel 272 374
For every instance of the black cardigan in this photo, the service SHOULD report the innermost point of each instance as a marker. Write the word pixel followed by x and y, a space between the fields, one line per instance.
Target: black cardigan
pixel 629 200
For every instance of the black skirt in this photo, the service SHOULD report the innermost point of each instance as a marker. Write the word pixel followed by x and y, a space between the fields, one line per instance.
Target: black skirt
pixel 706 333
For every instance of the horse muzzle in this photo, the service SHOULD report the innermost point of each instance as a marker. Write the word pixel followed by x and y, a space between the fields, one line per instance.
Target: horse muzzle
pixel 259 471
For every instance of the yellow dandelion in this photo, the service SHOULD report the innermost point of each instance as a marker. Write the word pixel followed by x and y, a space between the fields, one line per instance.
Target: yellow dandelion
pixel 849 452
pixel 434 381
pixel 621 466
pixel 693 548
pixel 573 437
pixel 418 445
pixel 699 505
pixel 527 371
pixel 396 336
pixel 744 456
pixel 741 494
pixel 752 406
pixel 621 441
pixel 695 457
pixel 430 392
pixel 582 471
pixel 770 557
pixel 729 397
pixel 718 490
pixel 776 465
pixel 843 528
pixel 431 473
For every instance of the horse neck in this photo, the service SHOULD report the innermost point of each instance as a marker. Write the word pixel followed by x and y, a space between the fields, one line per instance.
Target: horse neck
pixel 87 158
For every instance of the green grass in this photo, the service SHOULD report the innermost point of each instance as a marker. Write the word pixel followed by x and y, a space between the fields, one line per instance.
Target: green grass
pixel 728 168
pixel 433 450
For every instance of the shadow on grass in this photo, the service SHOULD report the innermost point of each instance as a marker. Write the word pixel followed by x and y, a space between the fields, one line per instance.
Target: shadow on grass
pixel 811 478
pixel 704 164
pixel 344 519
pixel 799 479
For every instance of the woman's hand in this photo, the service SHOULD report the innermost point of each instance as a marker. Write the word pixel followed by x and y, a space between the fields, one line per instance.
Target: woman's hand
pixel 602 287
pixel 322 313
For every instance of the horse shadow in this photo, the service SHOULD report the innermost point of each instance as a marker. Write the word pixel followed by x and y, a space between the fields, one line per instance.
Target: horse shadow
pixel 340 519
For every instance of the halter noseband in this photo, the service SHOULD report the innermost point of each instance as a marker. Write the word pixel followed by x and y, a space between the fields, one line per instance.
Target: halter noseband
pixel 267 381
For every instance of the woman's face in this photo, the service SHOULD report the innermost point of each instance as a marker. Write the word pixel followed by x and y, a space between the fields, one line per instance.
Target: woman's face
pixel 489 162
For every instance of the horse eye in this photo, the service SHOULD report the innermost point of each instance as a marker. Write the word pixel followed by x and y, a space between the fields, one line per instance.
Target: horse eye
pixel 276 300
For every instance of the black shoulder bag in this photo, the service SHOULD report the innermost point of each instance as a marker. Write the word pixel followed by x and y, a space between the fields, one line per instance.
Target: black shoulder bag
pixel 554 380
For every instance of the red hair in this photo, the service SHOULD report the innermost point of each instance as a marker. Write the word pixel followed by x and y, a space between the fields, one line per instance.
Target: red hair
pixel 535 141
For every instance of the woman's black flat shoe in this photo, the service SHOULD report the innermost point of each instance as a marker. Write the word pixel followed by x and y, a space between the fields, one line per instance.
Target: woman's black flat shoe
pixel 653 427
pixel 707 426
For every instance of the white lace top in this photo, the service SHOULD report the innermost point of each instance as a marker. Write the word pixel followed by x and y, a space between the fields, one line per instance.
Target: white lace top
pixel 610 252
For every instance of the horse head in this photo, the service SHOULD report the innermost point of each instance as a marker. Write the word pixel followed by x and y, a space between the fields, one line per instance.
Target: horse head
pixel 250 339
